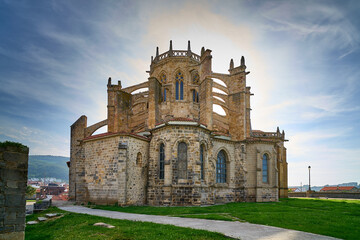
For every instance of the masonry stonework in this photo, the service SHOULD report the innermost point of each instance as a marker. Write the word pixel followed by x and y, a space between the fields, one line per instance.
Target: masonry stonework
pixel 166 145
pixel 13 181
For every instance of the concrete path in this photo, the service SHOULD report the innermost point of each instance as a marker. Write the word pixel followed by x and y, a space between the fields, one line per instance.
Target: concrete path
pixel 244 231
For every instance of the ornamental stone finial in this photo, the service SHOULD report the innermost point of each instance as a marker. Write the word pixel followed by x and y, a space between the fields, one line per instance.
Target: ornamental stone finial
pixel 202 50
pixel 242 62
pixel 170 49
pixel 231 64
pixel 109 81
pixel 157 51
pixel 189 48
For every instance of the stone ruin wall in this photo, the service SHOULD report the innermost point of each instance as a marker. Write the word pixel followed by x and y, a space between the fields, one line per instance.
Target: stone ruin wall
pixel 13 182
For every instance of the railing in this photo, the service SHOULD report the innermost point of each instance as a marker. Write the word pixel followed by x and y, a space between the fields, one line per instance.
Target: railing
pixel 177 53
pixel 266 134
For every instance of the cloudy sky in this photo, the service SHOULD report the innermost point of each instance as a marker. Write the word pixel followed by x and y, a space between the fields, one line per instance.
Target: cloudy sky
pixel 304 59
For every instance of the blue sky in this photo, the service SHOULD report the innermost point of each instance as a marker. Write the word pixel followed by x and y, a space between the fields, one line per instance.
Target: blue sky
pixel 56 56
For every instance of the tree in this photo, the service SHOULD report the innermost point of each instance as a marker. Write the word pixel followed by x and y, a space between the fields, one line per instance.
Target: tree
pixel 30 191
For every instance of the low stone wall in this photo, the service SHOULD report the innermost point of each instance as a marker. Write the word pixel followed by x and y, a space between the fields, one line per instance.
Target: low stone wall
pixel 42 204
pixel 13 178
pixel 350 195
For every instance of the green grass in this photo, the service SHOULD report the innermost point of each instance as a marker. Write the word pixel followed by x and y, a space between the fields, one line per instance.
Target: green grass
pixel 30 200
pixel 336 218
pixel 80 226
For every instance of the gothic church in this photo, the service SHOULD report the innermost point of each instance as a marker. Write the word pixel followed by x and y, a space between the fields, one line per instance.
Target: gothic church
pixel 166 146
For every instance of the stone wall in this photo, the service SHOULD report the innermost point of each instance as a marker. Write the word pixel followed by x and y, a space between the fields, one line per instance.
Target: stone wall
pixel 116 170
pixel 257 190
pixel 192 190
pixel 350 195
pixel 13 181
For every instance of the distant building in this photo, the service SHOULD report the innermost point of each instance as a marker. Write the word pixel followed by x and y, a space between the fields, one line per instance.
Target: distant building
pixel 349 184
pixel 294 190
pixel 50 190
pixel 338 189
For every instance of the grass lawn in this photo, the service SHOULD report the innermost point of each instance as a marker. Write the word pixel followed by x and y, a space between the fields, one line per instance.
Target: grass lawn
pixel 30 200
pixel 80 226
pixel 336 218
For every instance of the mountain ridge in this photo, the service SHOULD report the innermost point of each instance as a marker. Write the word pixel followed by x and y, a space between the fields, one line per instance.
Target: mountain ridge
pixel 48 166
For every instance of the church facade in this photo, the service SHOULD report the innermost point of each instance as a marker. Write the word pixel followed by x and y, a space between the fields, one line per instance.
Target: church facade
pixel 167 146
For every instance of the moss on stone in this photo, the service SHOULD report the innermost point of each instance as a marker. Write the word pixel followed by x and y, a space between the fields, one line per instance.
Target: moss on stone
pixel 14 146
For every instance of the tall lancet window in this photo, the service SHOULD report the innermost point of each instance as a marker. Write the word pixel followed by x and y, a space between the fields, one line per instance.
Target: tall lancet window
pixel 265 163
pixel 182 160
pixel 221 167
pixel 162 161
pixel 179 86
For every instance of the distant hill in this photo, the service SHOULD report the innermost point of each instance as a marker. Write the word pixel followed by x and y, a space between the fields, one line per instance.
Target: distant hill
pixel 46 166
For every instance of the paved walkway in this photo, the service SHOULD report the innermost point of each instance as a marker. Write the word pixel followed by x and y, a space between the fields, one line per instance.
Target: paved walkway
pixel 244 231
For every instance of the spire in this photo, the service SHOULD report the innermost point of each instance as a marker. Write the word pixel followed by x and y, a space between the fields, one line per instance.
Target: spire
pixel 152 59
pixel 202 51
pixel 189 48
pixel 157 51
pixel 277 130
pixel 231 64
pixel 242 62
pixel 109 81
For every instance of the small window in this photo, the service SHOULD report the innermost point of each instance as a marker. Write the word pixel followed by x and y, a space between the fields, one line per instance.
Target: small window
pixel 202 162
pixel 265 163
pixel 162 162
pixel 139 159
pixel 221 167
pixel 164 94
pixel 196 79
pixel 195 95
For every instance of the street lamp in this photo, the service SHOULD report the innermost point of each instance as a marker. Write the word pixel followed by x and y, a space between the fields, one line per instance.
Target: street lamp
pixel 309 179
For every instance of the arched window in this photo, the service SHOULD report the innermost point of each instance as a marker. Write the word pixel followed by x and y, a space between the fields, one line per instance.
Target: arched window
pixel 162 162
pixel 221 167
pixel 196 79
pixel 182 160
pixel 139 159
pixel 164 95
pixel 202 162
pixel 163 78
pixel 179 86
pixel 265 163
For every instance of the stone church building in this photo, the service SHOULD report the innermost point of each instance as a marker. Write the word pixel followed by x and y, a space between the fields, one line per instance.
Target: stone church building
pixel 167 146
